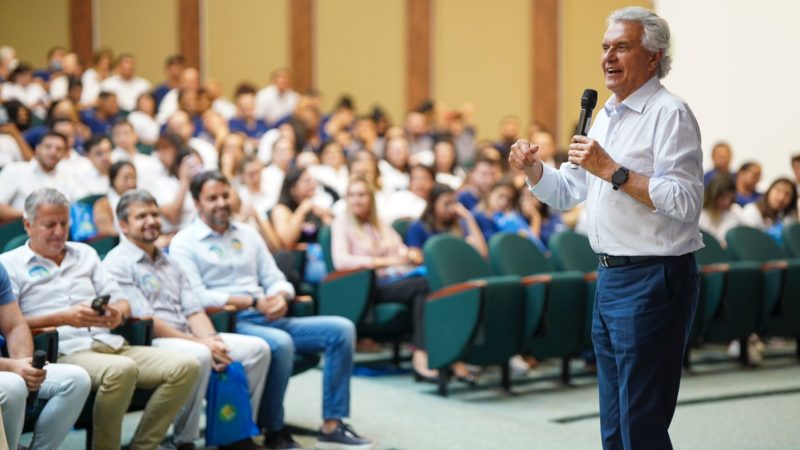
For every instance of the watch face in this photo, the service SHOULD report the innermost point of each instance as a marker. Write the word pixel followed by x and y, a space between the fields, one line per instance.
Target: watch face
pixel 619 177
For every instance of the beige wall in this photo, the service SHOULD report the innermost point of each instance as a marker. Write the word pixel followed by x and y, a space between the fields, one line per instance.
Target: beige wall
pixel 583 24
pixel 31 33
pixel 359 49
pixel 482 55
pixel 244 40
pixel 146 28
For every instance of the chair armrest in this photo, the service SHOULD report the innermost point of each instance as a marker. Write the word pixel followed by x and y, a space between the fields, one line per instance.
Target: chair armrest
pixel 715 268
pixel 137 331
pixel 45 330
pixel 302 299
pixel 590 276
pixel 46 339
pixel 222 317
pixel 530 280
pixel 774 265
pixel 454 289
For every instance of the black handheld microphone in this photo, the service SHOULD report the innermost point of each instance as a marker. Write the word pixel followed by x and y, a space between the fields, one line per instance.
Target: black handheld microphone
pixel 588 102
pixel 39 359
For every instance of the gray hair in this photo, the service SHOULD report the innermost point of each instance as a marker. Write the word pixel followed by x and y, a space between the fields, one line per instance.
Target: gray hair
pixel 44 196
pixel 656 33
pixel 131 197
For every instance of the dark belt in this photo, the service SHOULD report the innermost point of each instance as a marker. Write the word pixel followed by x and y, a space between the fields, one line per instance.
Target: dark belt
pixel 617 261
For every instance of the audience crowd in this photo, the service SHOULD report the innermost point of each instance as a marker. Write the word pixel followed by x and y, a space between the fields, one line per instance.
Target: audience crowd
pixel 208 197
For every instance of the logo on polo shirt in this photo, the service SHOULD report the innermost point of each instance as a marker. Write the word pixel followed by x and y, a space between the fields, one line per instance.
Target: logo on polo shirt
pixel 151 284
pixel 38 271
pixel 216 250
pixel 237 245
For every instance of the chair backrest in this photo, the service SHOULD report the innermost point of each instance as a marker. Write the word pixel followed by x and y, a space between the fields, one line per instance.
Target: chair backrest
pixel 572 251
pixel 324 239
pixel 712 253
pixel 791 240
pixel 10 230
pixel 104 245
pixel 512 254
pixel 401 226
pixel 750 244
pixel 450 260
pixel 17 241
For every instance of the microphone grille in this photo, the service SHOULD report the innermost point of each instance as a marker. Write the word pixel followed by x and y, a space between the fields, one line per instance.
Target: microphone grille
pixel 589 99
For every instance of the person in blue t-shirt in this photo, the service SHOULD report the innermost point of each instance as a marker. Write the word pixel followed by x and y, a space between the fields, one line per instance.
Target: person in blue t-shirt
pixel 246 121
pixel 484 174
pixel 747 179
pixel 444 214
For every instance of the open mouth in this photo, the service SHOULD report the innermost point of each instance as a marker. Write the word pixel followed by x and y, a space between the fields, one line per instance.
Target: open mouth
pixel 613 71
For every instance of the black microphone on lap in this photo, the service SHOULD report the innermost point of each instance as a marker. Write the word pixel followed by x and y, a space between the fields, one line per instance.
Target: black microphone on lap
pixel 39 359
pixel 588 102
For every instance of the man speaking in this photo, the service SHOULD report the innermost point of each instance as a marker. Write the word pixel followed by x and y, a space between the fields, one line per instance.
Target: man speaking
pixel 642 179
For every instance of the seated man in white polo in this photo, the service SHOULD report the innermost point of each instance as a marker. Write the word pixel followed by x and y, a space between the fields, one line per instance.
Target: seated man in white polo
pixel 156 287
pixel 55 282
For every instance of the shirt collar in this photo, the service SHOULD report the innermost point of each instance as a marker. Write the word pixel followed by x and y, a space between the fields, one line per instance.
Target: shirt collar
pixel 137 253
pixel 638 99
pixel 29 255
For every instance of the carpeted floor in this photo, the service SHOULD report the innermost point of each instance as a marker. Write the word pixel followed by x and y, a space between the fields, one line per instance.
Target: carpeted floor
pixel 721 406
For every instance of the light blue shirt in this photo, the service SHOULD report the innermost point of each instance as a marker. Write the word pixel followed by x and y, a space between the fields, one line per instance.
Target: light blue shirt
pixel 653 133
pixel 235 262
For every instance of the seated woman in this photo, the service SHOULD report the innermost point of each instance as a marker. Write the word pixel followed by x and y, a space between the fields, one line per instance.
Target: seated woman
pixel 296 217
pixel 444 214
pixel 776 208
pixel 720 212
pixel 253 202
pixel 359 239
pixel 542 221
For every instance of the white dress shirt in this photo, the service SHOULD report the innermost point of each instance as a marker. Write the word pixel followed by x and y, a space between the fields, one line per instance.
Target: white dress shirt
pixel 653 133
pixel 155 287
pixel 272 105
pixel 127 91
pixel 236 262
pixel 42 287
pixel 19 179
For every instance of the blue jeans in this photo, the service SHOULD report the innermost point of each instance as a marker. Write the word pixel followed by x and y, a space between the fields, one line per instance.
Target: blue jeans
pixel 333 335
pixel 642 318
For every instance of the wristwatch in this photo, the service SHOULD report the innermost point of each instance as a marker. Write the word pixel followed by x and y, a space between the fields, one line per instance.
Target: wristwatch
pixel 619 177
pixel 255 302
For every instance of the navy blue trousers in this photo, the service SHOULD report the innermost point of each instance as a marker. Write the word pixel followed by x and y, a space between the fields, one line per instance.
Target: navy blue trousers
pixel 642 317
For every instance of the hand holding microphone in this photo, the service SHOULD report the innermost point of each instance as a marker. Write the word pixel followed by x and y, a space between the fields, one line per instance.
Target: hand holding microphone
pixel 588 102
pixel 39 360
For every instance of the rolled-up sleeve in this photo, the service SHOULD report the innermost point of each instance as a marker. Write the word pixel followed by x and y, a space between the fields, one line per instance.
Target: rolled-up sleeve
pixel 676 187
pixel 561 188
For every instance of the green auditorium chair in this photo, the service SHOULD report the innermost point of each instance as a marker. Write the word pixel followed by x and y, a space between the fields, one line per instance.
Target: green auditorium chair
pixel 572 251
pixel 780 307
pixel 554 301
pixel 791 240
pixel 10 230
pixel 350 294
pixel 470 316
pixel 17 241
pixel 730 297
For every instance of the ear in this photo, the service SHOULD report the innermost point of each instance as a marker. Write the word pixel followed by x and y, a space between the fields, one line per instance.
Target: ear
pixel 27 224
pixel 655 60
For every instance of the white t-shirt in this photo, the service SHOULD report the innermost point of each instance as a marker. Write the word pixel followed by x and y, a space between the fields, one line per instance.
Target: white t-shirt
pixel 393 179
pixel 727 220
pixel 271 105
pixel 9 150
pixel 164 187
pixel 29 96
pixel 19 179
pixel 207 152
pixel 146 127
pixel 128 91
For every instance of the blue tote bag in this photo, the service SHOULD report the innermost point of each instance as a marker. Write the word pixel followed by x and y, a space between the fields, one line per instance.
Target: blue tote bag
pixel 229 417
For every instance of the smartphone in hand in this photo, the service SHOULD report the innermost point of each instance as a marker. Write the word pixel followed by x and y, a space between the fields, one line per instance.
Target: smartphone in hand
pixel 99 304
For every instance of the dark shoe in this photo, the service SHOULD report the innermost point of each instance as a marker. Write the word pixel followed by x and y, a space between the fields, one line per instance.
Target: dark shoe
pixel 343 437
pixel 469 379
pixel 244 444
pixel 280 440
pixel 419 378
pixel 186 446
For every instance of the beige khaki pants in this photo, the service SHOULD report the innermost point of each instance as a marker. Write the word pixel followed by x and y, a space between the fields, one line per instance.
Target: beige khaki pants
pixel 116 373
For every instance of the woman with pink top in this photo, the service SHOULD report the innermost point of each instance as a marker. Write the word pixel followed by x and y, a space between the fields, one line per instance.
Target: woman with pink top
pixel 361 240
